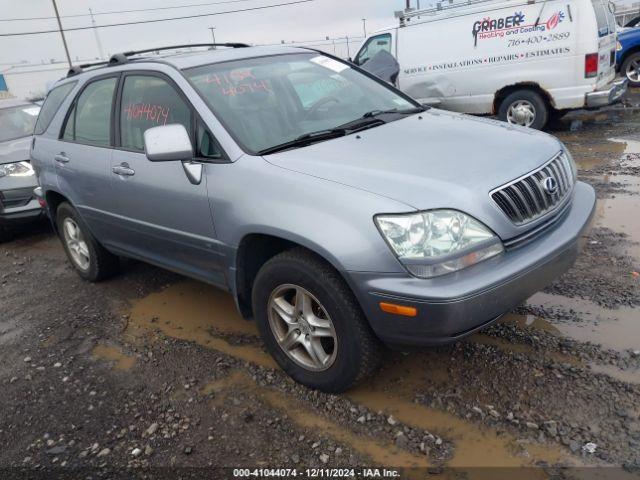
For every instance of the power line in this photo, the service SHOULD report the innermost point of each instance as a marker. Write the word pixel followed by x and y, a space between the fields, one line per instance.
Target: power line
pixel 263 7
pixel 113 12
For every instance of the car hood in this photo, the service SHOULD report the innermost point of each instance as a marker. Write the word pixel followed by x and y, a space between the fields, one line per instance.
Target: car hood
pixel 15 150
pixel 433 160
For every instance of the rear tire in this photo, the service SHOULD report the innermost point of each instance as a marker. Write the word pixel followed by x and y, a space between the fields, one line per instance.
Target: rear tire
pixel 630 65
pixel 526 108
pixel 349 351
pixel 90 259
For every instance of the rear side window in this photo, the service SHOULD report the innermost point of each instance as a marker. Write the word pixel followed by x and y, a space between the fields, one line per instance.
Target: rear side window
pixel 372 47
pixel 147 102
pixel 90 119
pixel 51 106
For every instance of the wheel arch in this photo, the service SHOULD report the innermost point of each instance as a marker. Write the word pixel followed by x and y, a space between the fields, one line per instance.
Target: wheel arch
pixel 255 249
pixel 630 51
pixel 505 91
pixel 53 199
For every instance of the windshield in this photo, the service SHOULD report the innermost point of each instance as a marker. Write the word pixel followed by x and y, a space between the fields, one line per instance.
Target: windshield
pixel 17 122
pixel 269 101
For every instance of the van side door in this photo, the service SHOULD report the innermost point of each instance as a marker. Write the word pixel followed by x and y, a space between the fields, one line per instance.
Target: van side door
pixel 163 217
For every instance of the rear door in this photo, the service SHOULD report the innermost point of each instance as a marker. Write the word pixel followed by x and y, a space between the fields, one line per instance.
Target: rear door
pixel 163 218
pixel 82 155
pixel 607 36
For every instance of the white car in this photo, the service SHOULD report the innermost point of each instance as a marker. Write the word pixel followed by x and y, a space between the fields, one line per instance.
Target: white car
pixel 522 61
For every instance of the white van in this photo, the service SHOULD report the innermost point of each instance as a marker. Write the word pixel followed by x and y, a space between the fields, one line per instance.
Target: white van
pixel 524 61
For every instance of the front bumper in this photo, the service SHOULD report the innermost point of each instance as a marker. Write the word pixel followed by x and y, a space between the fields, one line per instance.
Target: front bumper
pixel 456 305
pixel 18 207
pixel 608 96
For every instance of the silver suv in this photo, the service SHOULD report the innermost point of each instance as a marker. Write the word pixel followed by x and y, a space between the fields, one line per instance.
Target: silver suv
pixel 340 214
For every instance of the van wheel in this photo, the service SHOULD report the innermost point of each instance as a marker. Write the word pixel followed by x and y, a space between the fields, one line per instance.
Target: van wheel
pixel 312 324
pixel 90 259
pixel 526 108
pixel 631 68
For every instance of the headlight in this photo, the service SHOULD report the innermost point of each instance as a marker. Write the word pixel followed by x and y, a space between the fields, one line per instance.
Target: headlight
pixel 17 169
pixel 618 46
pixel 437 242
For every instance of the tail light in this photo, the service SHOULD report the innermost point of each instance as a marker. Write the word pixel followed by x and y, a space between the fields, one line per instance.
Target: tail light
pixel 591 65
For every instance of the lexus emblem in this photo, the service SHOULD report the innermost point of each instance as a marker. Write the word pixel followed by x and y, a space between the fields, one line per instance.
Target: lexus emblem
pixel 550 185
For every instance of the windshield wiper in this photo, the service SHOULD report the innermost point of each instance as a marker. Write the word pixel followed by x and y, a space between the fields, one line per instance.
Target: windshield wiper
pixel 306 139
pixel 406 111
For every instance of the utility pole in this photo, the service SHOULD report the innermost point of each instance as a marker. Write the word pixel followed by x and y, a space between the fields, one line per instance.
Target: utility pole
pixel 348 50
pixel 408 4
pixel 213 34
pixel 95 31
pixel 364 27
pixel 64 40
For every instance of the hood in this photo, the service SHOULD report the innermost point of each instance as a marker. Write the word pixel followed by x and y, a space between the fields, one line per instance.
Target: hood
pixel 629 34
pixel 15 150
pixel 433 160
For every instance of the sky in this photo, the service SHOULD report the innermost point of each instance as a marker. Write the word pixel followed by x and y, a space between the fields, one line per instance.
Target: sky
pixel 308 21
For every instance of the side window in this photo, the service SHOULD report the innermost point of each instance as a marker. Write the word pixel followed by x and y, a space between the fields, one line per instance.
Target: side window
pixel 89 121
pixel 207 146
pixel 51 106
pixel 372 47
pixel 147 102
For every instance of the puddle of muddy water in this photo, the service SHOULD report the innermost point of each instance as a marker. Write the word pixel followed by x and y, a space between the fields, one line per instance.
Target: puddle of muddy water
pixel 199 313
pixel 617 329
pixel 113 354
pixel 380 452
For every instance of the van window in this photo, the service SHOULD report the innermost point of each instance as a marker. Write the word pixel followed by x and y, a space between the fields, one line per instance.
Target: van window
pixel 372 47
pixel 149 101
pixel 51 106
pixel 90 119
pixel 604 17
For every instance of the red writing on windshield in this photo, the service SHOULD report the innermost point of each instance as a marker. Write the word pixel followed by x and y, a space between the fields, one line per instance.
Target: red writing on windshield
pixel 237 82
pixel 157 114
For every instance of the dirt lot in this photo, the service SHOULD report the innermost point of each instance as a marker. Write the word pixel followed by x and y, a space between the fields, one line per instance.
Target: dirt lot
pixel 153 370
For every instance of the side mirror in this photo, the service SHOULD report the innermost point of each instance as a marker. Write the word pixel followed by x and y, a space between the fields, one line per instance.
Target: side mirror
pixel 167 143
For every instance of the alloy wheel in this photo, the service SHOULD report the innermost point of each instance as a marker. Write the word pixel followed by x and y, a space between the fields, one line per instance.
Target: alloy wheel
pixel 76 244
pixel 633 71
pixel 302 327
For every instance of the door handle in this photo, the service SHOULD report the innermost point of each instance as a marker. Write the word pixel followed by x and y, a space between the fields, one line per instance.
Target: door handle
pixel 123 170
pixel 61 158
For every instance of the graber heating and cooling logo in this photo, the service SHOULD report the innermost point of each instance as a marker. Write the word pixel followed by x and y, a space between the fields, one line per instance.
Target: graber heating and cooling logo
pixel 513 24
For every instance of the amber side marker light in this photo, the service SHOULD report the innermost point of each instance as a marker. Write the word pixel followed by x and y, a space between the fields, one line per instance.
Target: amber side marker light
pixel 401 310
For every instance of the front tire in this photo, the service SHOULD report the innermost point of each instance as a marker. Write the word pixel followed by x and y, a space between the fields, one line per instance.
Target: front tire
pixel 631 69
pixel 526 108
pixel 312 324
pixel 90 259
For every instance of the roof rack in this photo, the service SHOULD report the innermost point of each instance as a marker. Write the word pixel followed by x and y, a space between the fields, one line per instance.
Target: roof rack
pixel 442 5
pixel 121 58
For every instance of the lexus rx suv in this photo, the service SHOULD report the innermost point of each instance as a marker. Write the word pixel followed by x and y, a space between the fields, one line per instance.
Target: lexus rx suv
pixel 340 214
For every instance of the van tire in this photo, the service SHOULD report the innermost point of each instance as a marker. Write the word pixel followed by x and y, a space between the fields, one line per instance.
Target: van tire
pixel 633 58
pixel 357 350
pixel 101 264
pixel 530 99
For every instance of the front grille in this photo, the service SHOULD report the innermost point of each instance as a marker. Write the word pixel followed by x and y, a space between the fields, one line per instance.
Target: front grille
pixel 533 195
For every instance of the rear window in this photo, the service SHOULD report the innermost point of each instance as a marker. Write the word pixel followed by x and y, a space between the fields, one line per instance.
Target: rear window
pixel 51 105
pixel 604 17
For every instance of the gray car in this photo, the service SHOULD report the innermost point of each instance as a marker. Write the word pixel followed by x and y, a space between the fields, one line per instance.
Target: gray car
pixel 339 213
pixel 18 204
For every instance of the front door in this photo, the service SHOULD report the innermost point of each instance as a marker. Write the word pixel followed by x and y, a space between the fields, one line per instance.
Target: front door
pixel 164 218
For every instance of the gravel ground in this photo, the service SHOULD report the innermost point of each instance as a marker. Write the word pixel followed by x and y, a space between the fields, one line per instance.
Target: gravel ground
pixel 109 376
